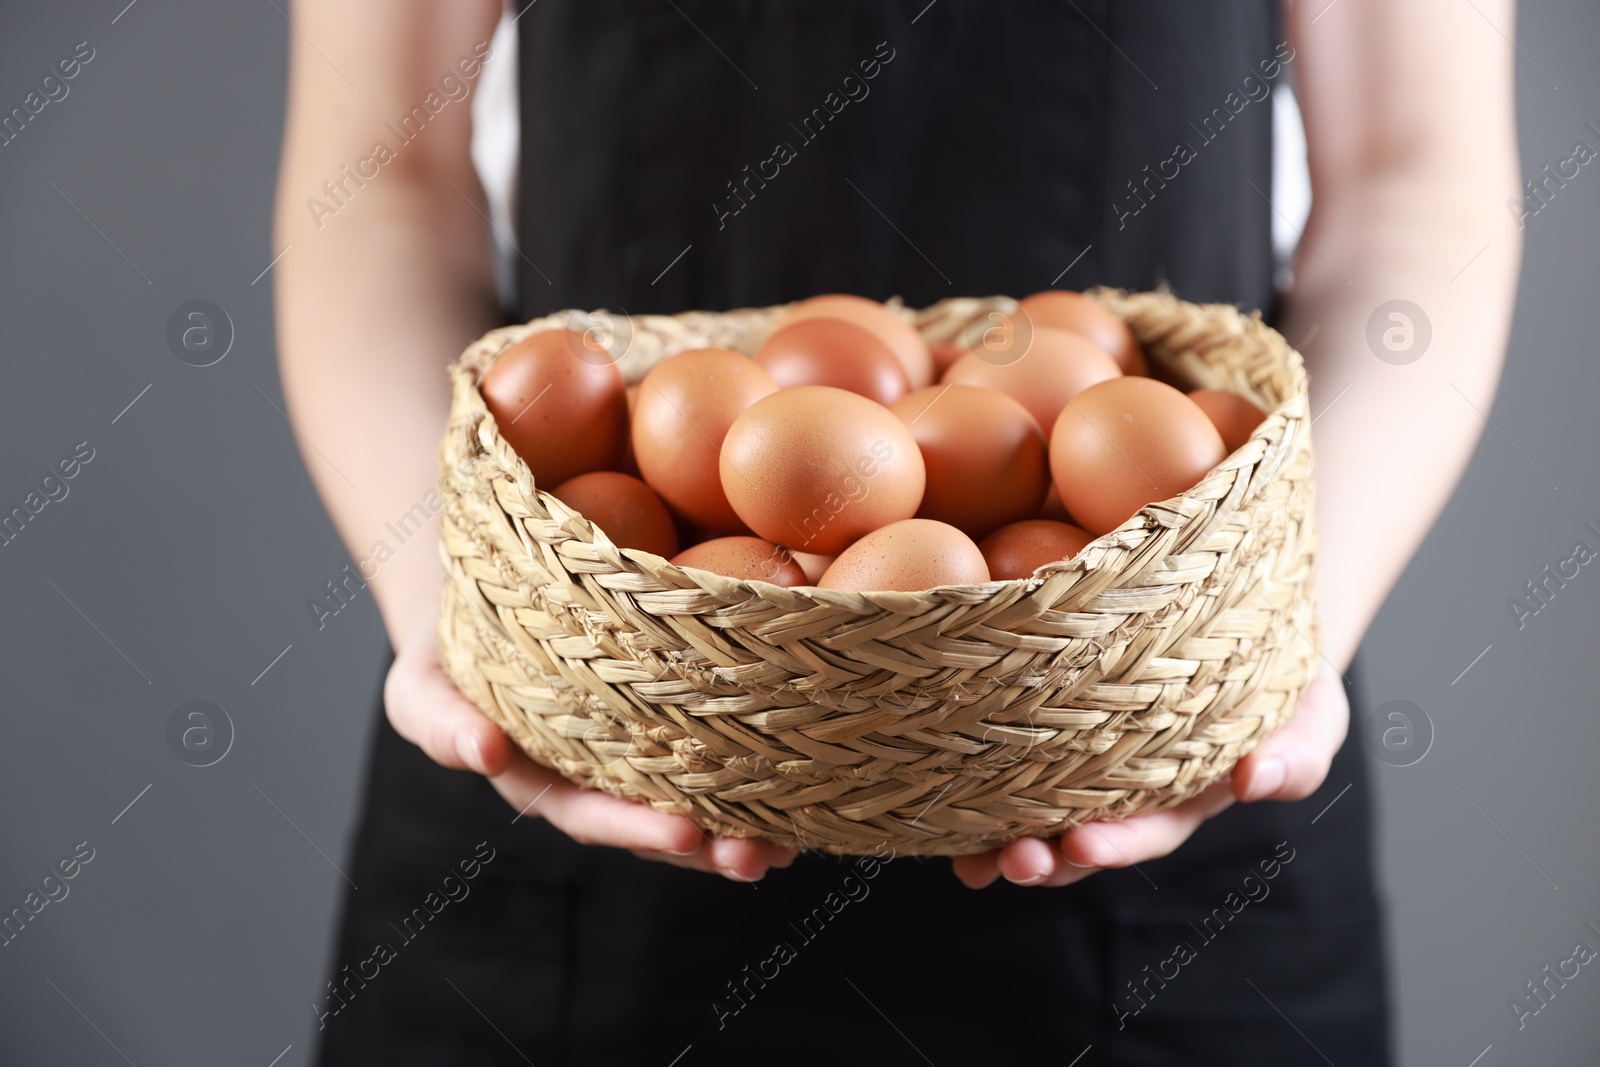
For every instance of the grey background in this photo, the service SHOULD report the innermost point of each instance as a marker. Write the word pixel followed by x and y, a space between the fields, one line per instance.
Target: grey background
pixel 188 546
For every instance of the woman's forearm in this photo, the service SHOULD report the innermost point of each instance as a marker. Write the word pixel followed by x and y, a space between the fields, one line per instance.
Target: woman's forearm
pixel 385 272
pixel 1413 155
pixel 370 310
pixel 1393 438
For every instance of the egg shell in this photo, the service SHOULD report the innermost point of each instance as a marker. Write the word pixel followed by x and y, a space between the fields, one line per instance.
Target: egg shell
pixel 813 564
pixel 561 405
pixel 1067 310
pixel 836 352
pixel 1053 508
pixel 815 467
pixel 945 356
pixel 749 558
pixel 686 404
pixel 1125 443
pixel 908 556
pixel 630 462
pixel 1234 417
pixel 1055 366
pixel 1017 550
pixel 625 509
pixel 901 337
pixel 986 458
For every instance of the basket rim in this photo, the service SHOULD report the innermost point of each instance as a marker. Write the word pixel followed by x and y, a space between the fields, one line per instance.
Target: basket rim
pixel 471 414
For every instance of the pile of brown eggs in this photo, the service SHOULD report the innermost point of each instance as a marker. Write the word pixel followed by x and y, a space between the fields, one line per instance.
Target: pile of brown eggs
pixel 832 458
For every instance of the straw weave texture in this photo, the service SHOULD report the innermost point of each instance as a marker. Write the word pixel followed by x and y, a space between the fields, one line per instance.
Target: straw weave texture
pixel 939 722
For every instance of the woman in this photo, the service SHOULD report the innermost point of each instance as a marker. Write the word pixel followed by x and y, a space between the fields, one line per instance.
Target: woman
pixel 953 148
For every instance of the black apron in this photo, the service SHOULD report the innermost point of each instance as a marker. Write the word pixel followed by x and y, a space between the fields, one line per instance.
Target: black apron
pixel 724 153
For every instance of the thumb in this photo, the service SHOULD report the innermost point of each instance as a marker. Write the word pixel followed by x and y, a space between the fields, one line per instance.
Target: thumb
pixel 425 708
pixel 1292 763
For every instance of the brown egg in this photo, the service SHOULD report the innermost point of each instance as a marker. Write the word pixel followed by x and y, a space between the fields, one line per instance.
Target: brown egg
pixel 626 510
pixel 1067 310
pixel 686 404
pixel 1053 507
pixel 909 556
pixel 1016 551
pixel 564 414
pixel 836 352
pixel 945 356
pixel 815 467
pixel 749 558
pixel 814 565
pixel 986 457
pixel 630 462
pixel 1234 417
pixel 1125 443
pixel 1056 366
pixel 901 337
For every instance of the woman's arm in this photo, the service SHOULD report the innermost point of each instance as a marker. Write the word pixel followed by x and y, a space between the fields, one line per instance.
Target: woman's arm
pixel 387 276
pixel 1412 146
pixel 1411 137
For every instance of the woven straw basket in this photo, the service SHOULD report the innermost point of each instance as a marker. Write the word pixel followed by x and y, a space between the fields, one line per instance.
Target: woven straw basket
pixel 941 722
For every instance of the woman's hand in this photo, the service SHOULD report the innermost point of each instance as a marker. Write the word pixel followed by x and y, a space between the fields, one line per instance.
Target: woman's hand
pixel 430 712
pixel 1289 765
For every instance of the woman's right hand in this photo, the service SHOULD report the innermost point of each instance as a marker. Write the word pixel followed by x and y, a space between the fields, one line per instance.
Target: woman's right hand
pixel 428 710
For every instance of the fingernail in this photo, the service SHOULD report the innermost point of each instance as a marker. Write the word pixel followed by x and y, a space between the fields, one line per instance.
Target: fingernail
pixel 469 752
pixel 1034 880
pixel 687 852
pixel 1268 779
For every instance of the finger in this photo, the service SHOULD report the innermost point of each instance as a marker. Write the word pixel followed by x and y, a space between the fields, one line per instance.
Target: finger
pixel 739 859
pixel 1065 871
pixel 698 862
pixel 1027 861
pixel 745 859
pixel 426 709
pixel 1143 837
pixel 779 856
pixel 1033 862
pixel 750 851
pixel 1292 763
pixel 591 817
pixel 977 870
pixel 524 785
pixel 703 861
pixel 737 867
pixel 1066 874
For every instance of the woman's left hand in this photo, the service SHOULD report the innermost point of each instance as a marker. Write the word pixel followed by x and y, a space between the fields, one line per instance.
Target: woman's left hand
pixel 1289 765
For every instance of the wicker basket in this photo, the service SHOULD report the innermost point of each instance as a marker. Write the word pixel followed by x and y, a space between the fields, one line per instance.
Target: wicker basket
pixel 941 722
